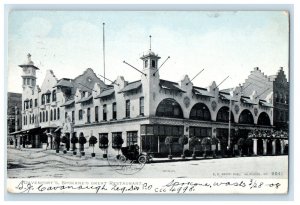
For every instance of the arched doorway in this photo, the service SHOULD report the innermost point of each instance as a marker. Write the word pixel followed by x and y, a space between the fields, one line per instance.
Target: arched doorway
pixel 263 119
pixel 169 108
pixel 200 112
pixel 246 117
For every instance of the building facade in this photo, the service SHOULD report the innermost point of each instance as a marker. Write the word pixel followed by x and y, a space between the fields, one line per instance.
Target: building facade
pixel 144 112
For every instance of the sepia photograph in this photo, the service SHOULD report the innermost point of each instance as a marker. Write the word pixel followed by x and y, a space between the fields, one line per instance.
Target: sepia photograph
pixel 148 102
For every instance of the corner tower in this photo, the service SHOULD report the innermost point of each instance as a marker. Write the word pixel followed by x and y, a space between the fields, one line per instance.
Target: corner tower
pixel 29 73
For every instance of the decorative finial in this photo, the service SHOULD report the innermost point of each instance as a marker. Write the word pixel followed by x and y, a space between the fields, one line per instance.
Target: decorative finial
pixel 150 42
pixel 29 56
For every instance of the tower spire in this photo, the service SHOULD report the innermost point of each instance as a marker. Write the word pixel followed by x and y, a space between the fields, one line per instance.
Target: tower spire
pixel 150 41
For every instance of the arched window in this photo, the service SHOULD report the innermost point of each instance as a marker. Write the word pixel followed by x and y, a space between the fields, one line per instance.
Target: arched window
pixel 200 112
pixel 53 95
pixel 246 117
pixel 223 115
pixel 169 108
pixel 58 113
pixel 263 119
pixel 51 115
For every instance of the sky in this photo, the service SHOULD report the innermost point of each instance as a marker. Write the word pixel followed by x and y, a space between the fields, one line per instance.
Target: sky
pixel 224 44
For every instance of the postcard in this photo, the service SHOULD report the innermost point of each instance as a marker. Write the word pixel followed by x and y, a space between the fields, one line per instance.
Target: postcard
pixel 155 102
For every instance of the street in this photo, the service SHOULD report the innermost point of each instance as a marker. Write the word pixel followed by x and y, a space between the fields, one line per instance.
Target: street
pixel 40 163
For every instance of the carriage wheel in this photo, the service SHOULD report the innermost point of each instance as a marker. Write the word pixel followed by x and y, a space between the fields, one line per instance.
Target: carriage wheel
pixel 142 159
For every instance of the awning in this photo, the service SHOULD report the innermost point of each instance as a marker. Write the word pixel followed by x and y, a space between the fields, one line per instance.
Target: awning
pixel 85 99
pixel 48 92
pixel 17 132
pixel 247 101
pixel 131 86
pixel 170 85
pixel 202 92
pixel 24 131
pixel 265 104
pixel 68 103
pixel 57 129
pixel 105 93
pixel 226 97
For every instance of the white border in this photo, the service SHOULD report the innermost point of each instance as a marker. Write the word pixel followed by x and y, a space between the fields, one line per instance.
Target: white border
pixel 227 6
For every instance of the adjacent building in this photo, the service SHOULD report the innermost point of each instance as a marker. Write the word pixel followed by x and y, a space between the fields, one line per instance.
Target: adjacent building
pixel 14 116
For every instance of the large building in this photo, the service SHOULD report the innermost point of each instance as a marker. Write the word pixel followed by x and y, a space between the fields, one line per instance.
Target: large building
pixel 145 111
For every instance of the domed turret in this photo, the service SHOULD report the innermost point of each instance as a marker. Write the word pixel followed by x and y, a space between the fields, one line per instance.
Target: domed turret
pixel 29 69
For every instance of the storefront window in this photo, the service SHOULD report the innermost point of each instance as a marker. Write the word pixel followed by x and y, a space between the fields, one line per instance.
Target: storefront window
pixel 132 138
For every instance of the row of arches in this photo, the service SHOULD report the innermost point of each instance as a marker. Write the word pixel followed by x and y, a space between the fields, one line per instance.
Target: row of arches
pixel 170 108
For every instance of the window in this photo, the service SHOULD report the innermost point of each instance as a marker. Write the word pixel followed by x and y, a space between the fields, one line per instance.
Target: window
pixel 46 116
pixel 80 114
pixel 104 113
pixel 53 95
pixel 131 138
pixel 40 117
pixel 88 116
pixel 141 105
pixel 26 104
pixel 146 63
pixel 114 111
pixel 200 112
pixel 127 108
pixel 51 115
pixel 169 108
pixel 223 115
pixel 30 103
pixel 43 99
pixel 153 63
pixel 200 132
pixel 114 134
pixel 58 113
pixel 54 114
pixel 66 115
pixel 43 116
pixel 35 102
pixel 103 135
pixel 96 114
pixel 73 116
pixel 32 119
pixel 246 117
pixel 48 98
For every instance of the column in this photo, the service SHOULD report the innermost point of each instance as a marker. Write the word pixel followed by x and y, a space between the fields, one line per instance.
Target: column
pixel 274 147
pixel 254 146
pixel 265 146
pixel 281 146
pixel 49 143
pixel 37 141
pixel 18 142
